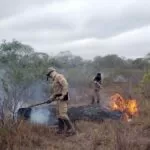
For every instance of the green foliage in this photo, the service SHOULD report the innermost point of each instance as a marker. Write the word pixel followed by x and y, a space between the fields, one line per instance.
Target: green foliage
pixel 67 60
pixel 22 67
pixel 146 78
pixel 139 63
pixel 145 85
pixel 109 61
pixel 12 51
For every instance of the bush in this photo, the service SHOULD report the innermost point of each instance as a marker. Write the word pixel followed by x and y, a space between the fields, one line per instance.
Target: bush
pixel 145 85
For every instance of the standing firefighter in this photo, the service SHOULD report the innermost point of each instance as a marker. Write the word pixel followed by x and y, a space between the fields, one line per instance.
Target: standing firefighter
pixel 60 94
pixel 97 86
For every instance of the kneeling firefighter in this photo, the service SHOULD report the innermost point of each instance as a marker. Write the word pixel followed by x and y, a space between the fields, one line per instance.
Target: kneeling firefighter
pixel 60 94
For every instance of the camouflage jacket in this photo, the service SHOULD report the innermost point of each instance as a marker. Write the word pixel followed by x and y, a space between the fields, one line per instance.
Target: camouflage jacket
pixel 59 85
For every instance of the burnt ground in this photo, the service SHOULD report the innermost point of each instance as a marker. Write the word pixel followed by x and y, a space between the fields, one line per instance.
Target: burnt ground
pixel 87 111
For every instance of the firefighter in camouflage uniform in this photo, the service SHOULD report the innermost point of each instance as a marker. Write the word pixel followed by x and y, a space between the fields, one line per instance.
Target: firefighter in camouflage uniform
pixel 60 94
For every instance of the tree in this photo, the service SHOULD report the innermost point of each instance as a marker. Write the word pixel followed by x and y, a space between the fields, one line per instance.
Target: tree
pixel 22 67
pixel 68 60
pixel 109 61
pixel 139 63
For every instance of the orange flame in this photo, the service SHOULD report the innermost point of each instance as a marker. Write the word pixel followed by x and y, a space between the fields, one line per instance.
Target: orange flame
pixel 127 107
pixel 132 108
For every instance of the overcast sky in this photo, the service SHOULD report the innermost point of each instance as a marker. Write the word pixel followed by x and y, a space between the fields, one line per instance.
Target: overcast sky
pixel 84 27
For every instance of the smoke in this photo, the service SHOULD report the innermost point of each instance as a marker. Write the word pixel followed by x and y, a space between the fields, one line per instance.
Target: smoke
pixel 40 116
pixel 43 116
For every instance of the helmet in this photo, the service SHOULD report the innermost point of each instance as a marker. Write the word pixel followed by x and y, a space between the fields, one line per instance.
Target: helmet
pixel 51 69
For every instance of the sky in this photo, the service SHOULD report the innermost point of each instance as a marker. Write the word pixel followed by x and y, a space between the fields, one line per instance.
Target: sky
pixel 85 27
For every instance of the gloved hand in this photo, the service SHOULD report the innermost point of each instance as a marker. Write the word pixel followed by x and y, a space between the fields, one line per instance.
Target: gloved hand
pixel 50 99
pixel 61 97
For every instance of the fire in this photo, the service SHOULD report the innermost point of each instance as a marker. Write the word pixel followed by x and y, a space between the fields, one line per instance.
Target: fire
pixel 132 107
pixel 127 107
pixel 117 102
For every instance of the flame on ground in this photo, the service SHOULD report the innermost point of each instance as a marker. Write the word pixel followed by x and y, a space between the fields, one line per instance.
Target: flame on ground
pixel 128 107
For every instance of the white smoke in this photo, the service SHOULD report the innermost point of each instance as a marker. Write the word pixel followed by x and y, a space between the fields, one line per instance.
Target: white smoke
pixel 40 116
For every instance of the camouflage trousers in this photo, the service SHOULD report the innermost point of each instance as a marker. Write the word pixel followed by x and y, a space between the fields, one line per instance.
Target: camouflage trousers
pixel 62 113
pixel 96 97
pixel 62 109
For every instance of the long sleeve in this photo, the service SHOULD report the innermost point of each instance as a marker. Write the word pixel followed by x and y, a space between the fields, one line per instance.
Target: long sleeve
pixel 64 85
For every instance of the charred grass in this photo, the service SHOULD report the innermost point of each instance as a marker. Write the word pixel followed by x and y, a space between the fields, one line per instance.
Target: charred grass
pixel 107 135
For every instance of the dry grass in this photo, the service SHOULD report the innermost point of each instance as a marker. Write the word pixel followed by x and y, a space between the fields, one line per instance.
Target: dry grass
pixel 109 135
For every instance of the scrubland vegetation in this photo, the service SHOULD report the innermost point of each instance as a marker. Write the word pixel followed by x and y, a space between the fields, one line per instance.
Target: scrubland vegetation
pixel 23 80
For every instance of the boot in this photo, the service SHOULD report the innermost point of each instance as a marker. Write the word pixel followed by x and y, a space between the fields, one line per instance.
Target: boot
pixel 70 130
pixel 60 126
pixel 93 100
